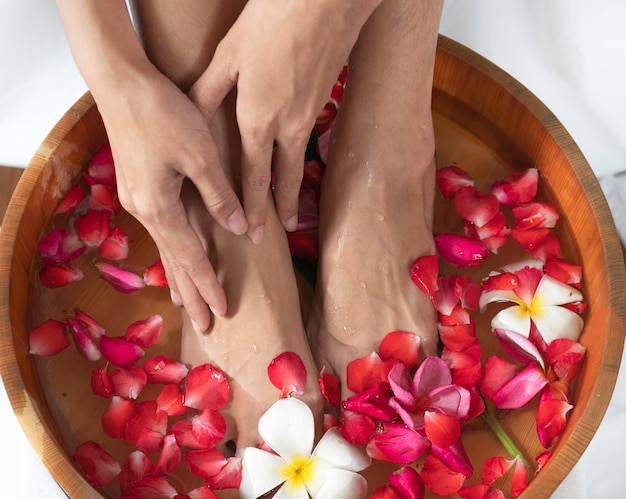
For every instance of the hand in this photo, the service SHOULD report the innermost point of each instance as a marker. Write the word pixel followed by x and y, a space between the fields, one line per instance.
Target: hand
pixel 159 137
pixel 283 58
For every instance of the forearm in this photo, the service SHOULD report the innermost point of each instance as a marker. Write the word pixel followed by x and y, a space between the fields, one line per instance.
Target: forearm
pixel 104 44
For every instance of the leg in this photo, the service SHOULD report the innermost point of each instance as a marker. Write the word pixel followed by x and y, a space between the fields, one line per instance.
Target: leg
pixel 263 318
pixel 378 191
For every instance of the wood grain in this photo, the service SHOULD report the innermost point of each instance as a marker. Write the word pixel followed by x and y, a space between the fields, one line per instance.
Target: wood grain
pixel 485 122
pixel 9 176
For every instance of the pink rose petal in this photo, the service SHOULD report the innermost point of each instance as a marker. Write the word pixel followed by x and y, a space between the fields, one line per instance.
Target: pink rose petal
pixel 49 338
pixel 518 187
pixel 72 200
pixel 460 251
pixel 55 276
pixel 93 227
pixel 119 351
pixel 115 246
pixel 99 467
pixel 146 332
pixel 162 369
pixel 451 179
pixel 122 280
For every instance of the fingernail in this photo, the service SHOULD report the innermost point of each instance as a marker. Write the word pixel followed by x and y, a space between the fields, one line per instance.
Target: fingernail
pixel 256 234
pixel 291 224
pixel 196 327
pixel 176 298
pixel 215 312
pixel 236 222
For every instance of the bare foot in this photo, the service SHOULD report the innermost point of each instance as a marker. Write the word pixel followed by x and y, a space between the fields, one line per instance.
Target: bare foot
pixel 263 320
pixel 376 211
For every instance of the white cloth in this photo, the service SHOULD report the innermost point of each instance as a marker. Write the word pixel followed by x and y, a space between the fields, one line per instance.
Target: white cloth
pixel 568 52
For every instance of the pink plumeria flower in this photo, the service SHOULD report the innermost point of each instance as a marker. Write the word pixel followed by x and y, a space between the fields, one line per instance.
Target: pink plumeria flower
pixel 331 470
pixel 538 298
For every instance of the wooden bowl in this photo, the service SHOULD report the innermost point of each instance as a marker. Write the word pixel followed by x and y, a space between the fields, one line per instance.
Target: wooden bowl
pixel 486 122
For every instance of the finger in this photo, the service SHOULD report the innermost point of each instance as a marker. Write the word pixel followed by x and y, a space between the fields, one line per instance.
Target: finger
pixel 288 173
pixel 208 92
pixel 256 160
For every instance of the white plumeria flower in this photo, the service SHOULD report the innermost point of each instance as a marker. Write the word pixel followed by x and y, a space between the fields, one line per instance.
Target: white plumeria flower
pixel 330 471
pixel 541 305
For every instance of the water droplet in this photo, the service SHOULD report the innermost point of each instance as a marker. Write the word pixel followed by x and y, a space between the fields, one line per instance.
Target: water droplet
pixel 380 217
pixel 351 154
pixel 363 284
pixel 268 301
pixel 254 348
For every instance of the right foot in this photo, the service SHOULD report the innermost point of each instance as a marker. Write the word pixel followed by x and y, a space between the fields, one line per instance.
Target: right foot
pixel 263 320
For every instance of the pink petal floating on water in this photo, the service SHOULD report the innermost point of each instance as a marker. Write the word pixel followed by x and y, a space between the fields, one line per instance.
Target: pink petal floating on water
pixel 206 388
pixel 205 463
pixel 518 187
pixel 229 477
pixel 117 415
pixel 146 332
pixel 104 197
pixel 100 383
pixel 407 483
pixel 147 427
pixel 520 389
pixel 398 443
pixel 460 251
pixel 287 373
pixel 72 200
pixel 115 246
pixel 128 382
pixel 93 227
pixel 136 466
pixel 101 168
pixel 60 246
pixel 119 351
pixel 151 486
pixel 170 399
pixel 83 341
pixel 440 478
pixel 99 467
pixel 534 215
pixel 451 179
pixel 163 369
pixel 93 328
pixel 56 276
pixel 169 457
pixel 121 279
pixel 564 271
pixel 551 420
pixel 566 358
pixel 476 207
pixel 154 275
pixel 208 427
pixel 49 338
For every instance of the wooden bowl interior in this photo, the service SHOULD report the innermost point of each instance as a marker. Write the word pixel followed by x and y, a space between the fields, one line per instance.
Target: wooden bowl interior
pixel 485 122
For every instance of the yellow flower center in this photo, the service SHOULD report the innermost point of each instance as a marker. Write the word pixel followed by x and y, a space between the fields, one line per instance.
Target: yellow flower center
pixel 299 471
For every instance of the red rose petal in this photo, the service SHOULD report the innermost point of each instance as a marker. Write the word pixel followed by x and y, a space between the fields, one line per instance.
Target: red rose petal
pixel 72 200
pixel 104 198
pixel 424 272
pixel 551 420
pixel 93 227
pixel 101 168
pixel 136 466
pixel 100 382
pixel 208 427
pixel 442 430
pixel 287 372
pixel 169 457
pixel 229 477
pixel 534 215
pixel 518 187
pixel 358 429
pixel 128 382
pixel 146 332
pixel 117 415
pixel 56 276
pixel 407 482
pixel 402 346
pixel 147 427
pixel 530 239
pixel 564 271
pixel 170 399
pixel 206 388
pixel 99 467
pixel 398 443
pixel 205 463
pixel 364 373
pixel 304 244
pixel 154 275
pixel 183 430
pixel 60 246
pixel 152 487
pixel 49 338
pixel 440 478
pixel 203 492
pixel 162 369
pixel 93 328
pixel 451 179
pixel 374 402
pixel 460 251
pixel 83 341
pixel 115 246
pixel 385 492
pixel 119 351
pixel 329 386
pixel 476 207
pixel 122 280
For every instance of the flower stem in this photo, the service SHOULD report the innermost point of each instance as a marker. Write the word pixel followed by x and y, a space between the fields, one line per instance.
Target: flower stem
pixel 503 436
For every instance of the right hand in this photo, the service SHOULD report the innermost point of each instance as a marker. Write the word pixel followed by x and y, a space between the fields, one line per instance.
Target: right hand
pixel 159 137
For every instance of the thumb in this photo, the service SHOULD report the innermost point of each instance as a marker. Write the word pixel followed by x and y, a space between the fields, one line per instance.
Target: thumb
pixel 208 92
